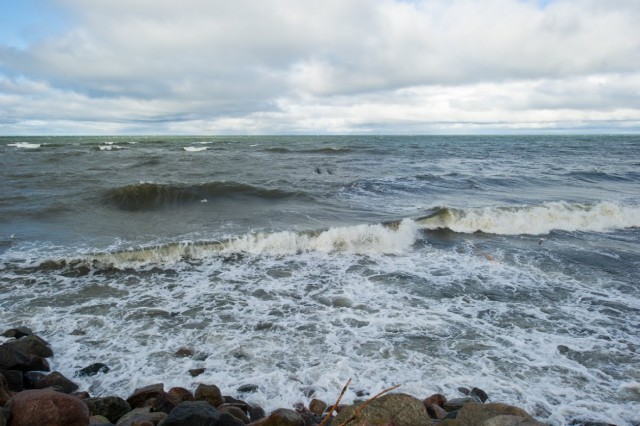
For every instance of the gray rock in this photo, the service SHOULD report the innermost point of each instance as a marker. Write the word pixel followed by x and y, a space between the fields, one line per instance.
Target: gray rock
pixel 192 413
pixel 493 414
pixel 57 381
pixel 33 345
pixel 12 358
pixel 18 332
pixel 457 403
pixel 14 379
pixel 92 370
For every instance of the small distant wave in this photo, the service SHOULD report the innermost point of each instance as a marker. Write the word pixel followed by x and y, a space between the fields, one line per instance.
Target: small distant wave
pixel 25 145
pixel 149 196
pixel 277 150
pixel 109 146
pixel 329 150
pixel 194 148
pixel 535 220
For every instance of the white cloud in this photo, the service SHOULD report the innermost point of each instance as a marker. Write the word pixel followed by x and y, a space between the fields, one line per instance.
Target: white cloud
pixel 279 66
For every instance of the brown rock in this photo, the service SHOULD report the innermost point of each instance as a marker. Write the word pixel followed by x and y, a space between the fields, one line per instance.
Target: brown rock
pixel 98 420
pixel 18 332
pixel 210 394
pixel 140 396
pixel 396 409
pixel 457 403
pixel 111 407
pixel 12 358
pixel 437 412
pixel 14 378
pixel 256 413
pixel 47 407
pixel 181 394
pixel 436 398
pixel 236 412
pixel 81 395
pixel 184 352
pixel 281 417
pixel 317 406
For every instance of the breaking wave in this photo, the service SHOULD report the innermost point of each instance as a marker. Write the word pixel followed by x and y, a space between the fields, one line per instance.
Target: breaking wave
pixel 194 148
pixel 149 196
pixel 25 145
pixel 535 220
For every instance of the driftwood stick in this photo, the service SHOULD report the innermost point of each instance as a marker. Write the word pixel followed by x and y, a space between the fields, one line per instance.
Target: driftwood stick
pixel 334 406
pixel 364 404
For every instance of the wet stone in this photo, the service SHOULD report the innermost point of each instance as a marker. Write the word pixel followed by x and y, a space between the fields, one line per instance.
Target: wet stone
pixel 92 370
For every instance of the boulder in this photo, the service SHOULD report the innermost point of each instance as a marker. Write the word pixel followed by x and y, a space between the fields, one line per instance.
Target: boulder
pixel 153 396
pixel 457 403
pixel 247 388
pixel 317 406
pixel 14 379
pixel 11 358
pixel 47 407
pixel 281 417
pixel 256 413
pixel 181 394
pixel 57 381
pixel 33 345
pixel 184 353
pixel 493 414
pixel 227 419
pixel 210 394
pixel 99 421
pixel 192 413
pixel 92 370
pixel 479 393
pixel 138 416
pixel 436 412
pixel 195 372
pixel 29 378
pixel 111 407
pixel 436 398
pixel 397 409
pixel 5 394
pixel 236 412
pixel 18 332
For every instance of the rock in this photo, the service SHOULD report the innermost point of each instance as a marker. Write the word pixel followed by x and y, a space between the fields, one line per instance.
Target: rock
pixel 14 379
pixel 5 394
pixel 256 413
pixel 99 421
pixel 56 380
pixel 226 419
pixel 140 396
pixel 397 409
pixel 181 394
pixel 184 352
pixel 192 413
pixel 317 406
pixel 11 358
pixel 138 416
pixel 47 407
pixel 111 407
pixel 4 417
pixel 457 403
pixel 31 377
pixel 78 332
pixel 436 412
pixel 195 372
pixel 18 332
pixel 247 388
pixel 281 417
pixel 33 345
pixel 210 394
pixel 463 390
pixel 229 400
pixel 236 412
pixel 436 398
pixel 479 393
pixel 493 414
pixel 81 395
pixel 92 370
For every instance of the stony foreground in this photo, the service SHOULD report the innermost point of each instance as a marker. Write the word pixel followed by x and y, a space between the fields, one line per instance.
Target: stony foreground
pixel 33 396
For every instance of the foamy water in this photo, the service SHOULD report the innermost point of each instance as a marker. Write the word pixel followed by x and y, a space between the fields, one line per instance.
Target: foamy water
pixel 430 263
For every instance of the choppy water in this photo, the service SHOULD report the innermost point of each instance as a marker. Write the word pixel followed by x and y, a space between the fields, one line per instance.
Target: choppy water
pixel 509 263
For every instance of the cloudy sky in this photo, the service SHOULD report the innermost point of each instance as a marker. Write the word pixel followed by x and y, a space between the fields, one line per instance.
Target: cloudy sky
pixel 317 67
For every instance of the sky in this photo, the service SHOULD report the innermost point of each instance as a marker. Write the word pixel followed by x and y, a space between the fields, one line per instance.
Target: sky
pixel 72 67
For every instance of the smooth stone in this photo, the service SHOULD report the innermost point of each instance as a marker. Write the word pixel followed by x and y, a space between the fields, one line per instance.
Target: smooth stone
pixel 479 393
pixel 18 332
pixel 256 413
pixel 317 406
pixel 210 394
pixel 281 417
pixel 436 398
pixel 56 380
pixel 236 412
pixel 192 413
pixel 195 372
pixel 183 353
pixel 47 407
pixel 11 358
pixel 226 419
pixel 247 388
pixel 492 414
pixel 14 378
pixel 181 394
pixel 139 396
pixel 33 345
pixel 139 415
pixel 437 412
pixel 5 394
pixel 99 421
pixel 457 403
pixel 111 407
pixel 396 409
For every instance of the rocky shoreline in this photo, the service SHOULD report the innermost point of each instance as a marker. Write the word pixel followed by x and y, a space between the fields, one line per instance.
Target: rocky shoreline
pixel 32 395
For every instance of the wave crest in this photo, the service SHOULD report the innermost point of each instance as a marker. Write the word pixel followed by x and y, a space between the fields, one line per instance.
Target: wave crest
pixel 535 220
pixel 149 196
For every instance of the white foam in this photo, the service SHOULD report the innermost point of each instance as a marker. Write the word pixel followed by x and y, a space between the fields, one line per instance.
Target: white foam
pixel 194 148
pixel 25 145
pixel 538 220
pixel 109 146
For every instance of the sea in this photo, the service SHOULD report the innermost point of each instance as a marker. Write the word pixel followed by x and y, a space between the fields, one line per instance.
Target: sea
pixel 295 263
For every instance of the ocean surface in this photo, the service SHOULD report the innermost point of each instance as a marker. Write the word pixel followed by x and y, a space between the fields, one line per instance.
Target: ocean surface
pixel 510 263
